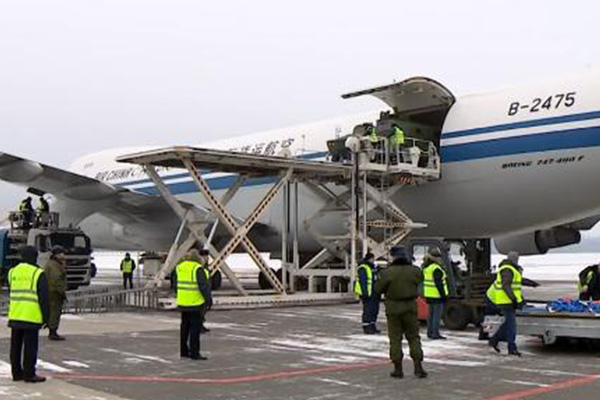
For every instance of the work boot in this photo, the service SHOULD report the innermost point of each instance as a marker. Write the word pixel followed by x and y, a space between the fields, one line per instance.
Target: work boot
pixel 494 346
pixel 419 371
pixel 204 329
pixel 53 335
pixel 515 353
pixel 199 357
pixel 368 330
pixel 35 379
pixel 397 372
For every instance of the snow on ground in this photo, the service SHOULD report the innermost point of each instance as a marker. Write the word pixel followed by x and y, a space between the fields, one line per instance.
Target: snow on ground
pixel 553 266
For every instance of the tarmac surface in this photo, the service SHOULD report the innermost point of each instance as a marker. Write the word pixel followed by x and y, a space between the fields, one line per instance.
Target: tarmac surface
pixel 288 353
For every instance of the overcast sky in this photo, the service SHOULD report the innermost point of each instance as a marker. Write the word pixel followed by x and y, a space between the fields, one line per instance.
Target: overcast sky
pixel 80 76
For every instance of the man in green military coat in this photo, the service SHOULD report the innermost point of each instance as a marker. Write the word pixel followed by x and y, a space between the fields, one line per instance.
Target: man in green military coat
pixel 399 284
pixel 56 272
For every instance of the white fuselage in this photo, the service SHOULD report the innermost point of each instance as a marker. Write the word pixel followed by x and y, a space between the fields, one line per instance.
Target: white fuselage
pixel 513 161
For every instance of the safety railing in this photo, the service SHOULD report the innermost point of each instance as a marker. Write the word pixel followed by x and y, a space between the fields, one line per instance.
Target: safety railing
pixel 105 300
pixel 416 153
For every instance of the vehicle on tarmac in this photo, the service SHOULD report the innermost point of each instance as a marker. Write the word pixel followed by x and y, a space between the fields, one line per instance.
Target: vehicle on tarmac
pixel 77 245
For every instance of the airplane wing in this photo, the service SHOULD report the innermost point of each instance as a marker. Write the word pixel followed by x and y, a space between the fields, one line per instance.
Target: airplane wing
pixel 84 196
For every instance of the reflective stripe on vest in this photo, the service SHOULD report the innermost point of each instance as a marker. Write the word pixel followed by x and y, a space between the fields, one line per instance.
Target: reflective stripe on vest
pixel 24 304
pixel 23 206
pixel 188 292
pixel 430 290
pixel 496 293
pixel 358 287
pixel 127 266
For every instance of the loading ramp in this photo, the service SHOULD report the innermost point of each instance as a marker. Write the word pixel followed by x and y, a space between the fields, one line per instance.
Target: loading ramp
pixel 358 192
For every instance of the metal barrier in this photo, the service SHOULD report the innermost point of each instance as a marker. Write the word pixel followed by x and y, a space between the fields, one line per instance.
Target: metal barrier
pixel 106 300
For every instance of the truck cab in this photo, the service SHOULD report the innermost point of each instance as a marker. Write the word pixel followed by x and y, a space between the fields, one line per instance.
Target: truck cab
pixel 45 233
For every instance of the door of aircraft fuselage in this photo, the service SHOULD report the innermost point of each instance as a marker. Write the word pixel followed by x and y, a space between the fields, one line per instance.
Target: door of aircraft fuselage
pixel 418 105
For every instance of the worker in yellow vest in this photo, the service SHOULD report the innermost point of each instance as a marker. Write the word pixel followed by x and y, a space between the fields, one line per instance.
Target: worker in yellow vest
pixel 506 294
pixel 589 283
pixel 127 268
pixel 435 291
pixel 397 140
pixel 28 312
pixel 366 278
pixel 193 299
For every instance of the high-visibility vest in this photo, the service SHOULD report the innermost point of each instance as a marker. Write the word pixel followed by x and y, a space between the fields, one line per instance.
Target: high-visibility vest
pixel 430 290
pixel 398 137
pixel 373 136
pixel 188 292
pixel 496 293
pixel 24 303
pixel 23 206
pixel 127 266
pixel 588 279
pixel 358 287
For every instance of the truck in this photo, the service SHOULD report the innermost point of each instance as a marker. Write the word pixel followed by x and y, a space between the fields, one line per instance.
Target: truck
pixel 44 232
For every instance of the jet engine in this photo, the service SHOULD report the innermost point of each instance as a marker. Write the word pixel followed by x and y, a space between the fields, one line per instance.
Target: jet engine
pixel 538 242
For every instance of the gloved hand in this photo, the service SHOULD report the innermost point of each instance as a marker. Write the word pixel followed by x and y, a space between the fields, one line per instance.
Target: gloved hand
pixel 515 304
pixel 209 304
pixel 521 305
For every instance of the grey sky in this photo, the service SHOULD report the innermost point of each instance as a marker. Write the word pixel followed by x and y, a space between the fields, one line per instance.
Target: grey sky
pixel 81 76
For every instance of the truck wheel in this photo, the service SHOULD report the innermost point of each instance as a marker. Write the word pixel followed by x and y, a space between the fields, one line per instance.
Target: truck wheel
pixel 216 281
pixel 456 316
pixel 263 282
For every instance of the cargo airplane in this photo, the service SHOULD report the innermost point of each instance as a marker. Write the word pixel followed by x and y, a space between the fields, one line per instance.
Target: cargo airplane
pixel 520 165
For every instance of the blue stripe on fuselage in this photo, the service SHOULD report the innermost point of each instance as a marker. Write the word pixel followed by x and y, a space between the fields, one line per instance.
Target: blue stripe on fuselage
pixel 524 124
pixel 549 141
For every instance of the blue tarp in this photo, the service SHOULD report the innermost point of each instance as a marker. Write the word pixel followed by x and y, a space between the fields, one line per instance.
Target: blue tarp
pixel 573 306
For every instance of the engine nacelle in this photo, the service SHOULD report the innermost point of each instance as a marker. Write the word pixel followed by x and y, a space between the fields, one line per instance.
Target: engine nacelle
pixel 538 242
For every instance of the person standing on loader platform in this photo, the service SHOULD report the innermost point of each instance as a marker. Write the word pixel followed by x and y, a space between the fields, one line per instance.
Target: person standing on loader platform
pixel 43 212
pixel 127 267
pixel 397 140
pixel 506 294
pixel 435 291
pixel 366 278
pixel 400 285
pixel 28 311
pixel 193 298
pixel 26 210
pixel 589 283
pixel 56 273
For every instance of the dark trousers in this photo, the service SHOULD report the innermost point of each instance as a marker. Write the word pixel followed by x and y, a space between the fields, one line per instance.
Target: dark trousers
pixel 370 312
pixel 23 352
pixel 404 323
pixel 56 304
pixel 436 310
pixel 127 276
pixel 508 330
pixel 189 344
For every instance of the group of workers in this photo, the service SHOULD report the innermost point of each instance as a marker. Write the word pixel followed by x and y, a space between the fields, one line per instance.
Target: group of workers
pixel 402 282
pixel 37 296
pixel 34 217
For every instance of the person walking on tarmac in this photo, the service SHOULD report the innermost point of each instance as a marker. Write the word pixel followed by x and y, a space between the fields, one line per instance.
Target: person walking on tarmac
pixel 127 267
pixel 435 291
pixel 193 299
pixel 507 295
pixel 589 283
pixel 56 273
pixel 28 312
pixel 366 277
pixel 400 285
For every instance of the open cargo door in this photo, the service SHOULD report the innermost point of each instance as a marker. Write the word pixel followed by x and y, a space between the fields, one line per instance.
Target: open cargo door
pixel 419 105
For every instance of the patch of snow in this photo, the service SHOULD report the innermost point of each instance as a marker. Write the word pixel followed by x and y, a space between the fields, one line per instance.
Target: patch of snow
pixel 138 356
pixel 76 364
pixel 48 366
